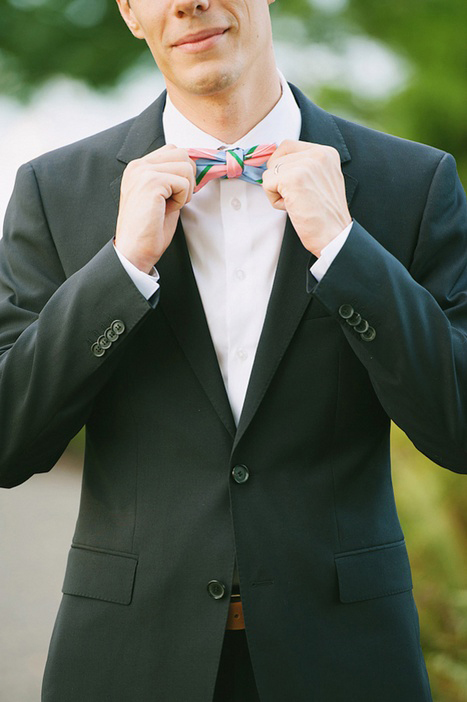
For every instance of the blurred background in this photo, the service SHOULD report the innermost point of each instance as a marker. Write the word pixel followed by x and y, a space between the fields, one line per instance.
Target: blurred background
pixel 69 68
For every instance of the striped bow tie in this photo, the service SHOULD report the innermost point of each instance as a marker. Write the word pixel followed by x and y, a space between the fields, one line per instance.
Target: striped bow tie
pixel 233 163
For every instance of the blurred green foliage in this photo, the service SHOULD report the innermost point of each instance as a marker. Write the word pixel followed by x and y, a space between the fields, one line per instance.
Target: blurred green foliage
pixel 86 39
pixel 432 506
pixel 42 39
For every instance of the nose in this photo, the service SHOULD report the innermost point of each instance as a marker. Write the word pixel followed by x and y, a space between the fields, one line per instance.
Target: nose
pixel 191 7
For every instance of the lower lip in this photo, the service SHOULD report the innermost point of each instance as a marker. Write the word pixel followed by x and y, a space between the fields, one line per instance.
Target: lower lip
pixel 194 46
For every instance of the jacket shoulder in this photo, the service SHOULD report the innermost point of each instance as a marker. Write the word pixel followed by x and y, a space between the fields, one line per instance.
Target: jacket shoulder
pixel 99 151
pixel 369 143
pixel 102 147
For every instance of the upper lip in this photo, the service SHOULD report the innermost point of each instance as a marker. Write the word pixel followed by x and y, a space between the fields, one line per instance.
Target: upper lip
pixel 199 36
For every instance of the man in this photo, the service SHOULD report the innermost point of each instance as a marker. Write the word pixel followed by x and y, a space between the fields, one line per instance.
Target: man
pixel 237 536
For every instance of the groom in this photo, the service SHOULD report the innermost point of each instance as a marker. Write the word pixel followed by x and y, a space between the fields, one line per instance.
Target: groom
pixel 237 354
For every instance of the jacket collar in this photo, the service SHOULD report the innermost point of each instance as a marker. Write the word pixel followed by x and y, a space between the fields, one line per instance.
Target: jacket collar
pixel 147 134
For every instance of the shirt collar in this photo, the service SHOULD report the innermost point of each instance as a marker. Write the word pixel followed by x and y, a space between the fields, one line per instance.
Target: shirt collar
pixel 282 122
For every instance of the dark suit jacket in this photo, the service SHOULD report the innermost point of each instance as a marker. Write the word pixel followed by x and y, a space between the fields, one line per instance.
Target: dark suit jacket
pixel 325 577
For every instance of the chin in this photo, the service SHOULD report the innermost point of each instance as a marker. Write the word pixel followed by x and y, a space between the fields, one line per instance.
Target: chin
pixel 209 82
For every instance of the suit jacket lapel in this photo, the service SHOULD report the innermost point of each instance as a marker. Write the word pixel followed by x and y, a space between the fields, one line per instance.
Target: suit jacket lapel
pixel 145 135
pixel 289 298
pixel 179 301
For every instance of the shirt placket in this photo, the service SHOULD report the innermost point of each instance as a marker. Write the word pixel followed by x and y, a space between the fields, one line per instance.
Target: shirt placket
pixel 234 212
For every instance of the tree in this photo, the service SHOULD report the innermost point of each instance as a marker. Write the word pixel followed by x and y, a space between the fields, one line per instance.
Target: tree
pixel 42 39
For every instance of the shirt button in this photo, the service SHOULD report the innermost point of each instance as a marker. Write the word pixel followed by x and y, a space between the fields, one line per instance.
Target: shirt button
pixel 240 474
pixel 242 355
pixel 216 589
pixel 240 275
pixel 236 204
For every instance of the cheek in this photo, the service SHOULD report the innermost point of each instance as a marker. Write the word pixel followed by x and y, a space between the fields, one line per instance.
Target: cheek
pixel 152 25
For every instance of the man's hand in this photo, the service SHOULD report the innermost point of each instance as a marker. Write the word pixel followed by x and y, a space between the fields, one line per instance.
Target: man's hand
pixel 306 180
pixel 154 189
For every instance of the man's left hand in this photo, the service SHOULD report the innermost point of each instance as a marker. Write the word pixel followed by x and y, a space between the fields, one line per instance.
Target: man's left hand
pixel 306 180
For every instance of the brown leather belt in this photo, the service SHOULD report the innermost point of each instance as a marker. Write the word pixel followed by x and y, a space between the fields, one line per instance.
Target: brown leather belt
pixel 235 619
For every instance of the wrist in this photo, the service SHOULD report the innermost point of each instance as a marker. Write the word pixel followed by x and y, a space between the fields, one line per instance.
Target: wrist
pixel 143 263
pixel 331 242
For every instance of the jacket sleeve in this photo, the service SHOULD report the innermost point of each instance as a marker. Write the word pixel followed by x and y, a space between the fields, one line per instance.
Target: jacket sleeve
pixel 416 356
pixel 50 367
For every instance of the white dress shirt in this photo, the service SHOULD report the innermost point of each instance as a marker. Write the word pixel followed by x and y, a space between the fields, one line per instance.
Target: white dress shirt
pixel 234 238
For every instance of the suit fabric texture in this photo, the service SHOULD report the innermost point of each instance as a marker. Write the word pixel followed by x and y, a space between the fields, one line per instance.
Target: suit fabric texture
pixel 324 572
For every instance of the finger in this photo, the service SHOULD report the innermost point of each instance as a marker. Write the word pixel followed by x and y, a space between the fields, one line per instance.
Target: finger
pixel 174 152
pixel 276 200
pixel 295 150
pixel 289 146
pixel 182 158
pixel 271 188
pixel 182 168
pixel 168 152
pixel 175 189
pixel 144 177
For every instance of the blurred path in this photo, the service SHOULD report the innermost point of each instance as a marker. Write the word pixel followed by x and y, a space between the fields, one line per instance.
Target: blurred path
pixel 37 522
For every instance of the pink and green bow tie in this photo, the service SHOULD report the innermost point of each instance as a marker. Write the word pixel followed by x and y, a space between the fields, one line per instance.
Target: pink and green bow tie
pixel 233 163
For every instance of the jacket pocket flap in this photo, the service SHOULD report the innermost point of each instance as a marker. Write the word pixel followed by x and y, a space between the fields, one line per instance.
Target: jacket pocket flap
pixel 375 572
pixel 100 575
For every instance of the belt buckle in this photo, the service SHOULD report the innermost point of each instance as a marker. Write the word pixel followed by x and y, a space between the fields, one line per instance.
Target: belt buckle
pixel 235 618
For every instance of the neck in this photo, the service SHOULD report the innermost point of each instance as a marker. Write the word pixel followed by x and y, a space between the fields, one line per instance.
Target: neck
pixel 231 114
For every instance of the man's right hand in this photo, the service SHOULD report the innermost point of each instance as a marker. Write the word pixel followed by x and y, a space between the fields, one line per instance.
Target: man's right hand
pixel 154 189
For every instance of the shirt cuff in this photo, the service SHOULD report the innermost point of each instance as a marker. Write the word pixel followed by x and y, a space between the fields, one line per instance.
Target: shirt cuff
pixel 147 283
pixel 328 254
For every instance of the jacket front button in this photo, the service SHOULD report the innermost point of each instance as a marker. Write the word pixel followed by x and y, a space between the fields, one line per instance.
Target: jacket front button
pixel 240 474
pixel 216 589
pixel 346 311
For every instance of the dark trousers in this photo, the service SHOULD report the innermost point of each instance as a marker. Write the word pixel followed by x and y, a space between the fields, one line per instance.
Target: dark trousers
pixel 235 679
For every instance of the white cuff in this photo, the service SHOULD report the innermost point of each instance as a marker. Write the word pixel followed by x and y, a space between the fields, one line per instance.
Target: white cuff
pixel 328 254
pixel 147 283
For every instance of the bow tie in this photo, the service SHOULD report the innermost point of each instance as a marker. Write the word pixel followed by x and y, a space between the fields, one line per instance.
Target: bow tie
pixel 233 163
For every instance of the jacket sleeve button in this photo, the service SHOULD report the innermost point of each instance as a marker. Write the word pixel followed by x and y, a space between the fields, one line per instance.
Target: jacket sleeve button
pixel 111 334
pixel 104 342
pixel 97 350
pixel 362 327
pixel 118 327
pixel 346 311
pixel 216 589
pixel 354 319
pixel 369 335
